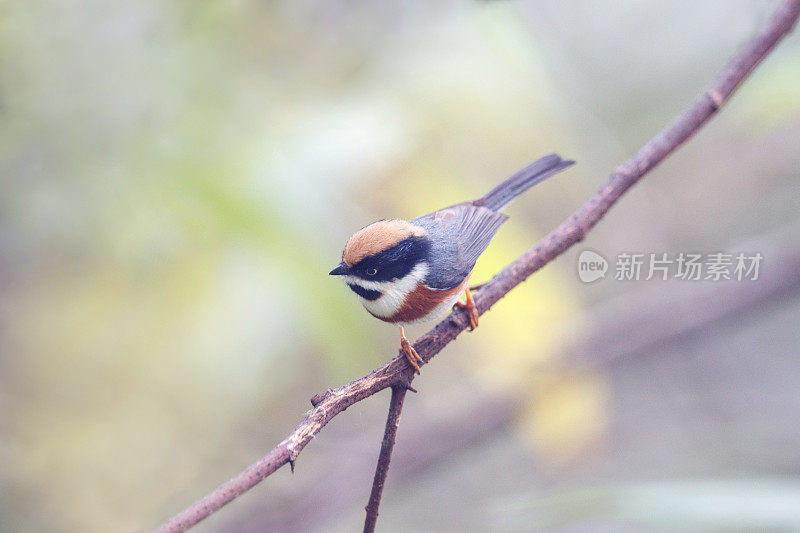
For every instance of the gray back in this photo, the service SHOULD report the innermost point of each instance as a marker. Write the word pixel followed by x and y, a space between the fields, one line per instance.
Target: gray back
pixel 459 235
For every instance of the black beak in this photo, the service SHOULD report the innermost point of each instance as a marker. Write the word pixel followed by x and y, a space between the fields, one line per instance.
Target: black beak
pixel 340 270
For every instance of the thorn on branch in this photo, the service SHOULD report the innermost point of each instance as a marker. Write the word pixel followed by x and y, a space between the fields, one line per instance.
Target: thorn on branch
pixel 716 98
pixel 319 398
pixel 405 383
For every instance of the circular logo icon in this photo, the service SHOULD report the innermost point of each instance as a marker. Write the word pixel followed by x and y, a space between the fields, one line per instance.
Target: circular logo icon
pixel 591 266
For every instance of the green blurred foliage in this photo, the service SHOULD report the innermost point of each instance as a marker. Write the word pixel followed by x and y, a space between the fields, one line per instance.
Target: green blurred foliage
pixel 178 178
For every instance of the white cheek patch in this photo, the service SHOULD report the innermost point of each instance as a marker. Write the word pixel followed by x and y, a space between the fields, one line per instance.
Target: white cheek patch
pixel 393 292
pixel 371 285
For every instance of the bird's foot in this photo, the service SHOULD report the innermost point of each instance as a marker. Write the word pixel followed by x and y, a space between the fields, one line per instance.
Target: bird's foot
pixel 472 310
pixel 409 351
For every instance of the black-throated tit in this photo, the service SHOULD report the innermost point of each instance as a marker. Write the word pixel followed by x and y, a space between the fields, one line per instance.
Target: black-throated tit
pixel 406 272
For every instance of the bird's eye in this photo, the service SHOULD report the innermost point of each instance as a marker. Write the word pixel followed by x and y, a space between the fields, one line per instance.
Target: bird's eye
pixel 372 271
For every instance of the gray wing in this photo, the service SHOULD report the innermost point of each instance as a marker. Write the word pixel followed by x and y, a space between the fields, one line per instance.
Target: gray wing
pixel 459 235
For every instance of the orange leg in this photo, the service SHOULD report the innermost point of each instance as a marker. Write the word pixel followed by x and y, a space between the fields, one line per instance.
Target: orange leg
pixel 472 310
pixel 409 351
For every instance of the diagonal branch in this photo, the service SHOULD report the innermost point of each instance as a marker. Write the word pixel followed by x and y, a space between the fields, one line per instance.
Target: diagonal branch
pixel 398 372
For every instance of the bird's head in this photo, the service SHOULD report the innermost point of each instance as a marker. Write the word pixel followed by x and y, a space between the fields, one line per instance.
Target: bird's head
pixel 386 256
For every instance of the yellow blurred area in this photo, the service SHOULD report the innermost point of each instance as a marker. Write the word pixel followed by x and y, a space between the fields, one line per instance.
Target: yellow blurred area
pixel 179 178
pixel 523 331
pixel 568 418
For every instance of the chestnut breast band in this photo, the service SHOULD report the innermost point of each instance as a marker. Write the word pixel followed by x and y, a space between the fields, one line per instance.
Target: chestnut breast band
pixel 421 302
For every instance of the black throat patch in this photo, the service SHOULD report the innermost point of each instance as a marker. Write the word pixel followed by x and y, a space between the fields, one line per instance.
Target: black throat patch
pixel 367 294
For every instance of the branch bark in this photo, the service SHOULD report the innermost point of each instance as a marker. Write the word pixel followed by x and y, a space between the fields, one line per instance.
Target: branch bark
pixel 399 373
pixel 638 313
pixel 385 456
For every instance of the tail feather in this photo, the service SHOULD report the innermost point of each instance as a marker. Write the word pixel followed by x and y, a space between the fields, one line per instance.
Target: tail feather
pixel 523 180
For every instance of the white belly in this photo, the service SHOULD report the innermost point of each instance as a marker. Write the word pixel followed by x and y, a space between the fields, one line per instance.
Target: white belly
pixel 395 292
pixel 392 300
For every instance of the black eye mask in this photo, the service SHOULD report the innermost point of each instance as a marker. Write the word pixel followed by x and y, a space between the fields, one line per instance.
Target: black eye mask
pixel 395 262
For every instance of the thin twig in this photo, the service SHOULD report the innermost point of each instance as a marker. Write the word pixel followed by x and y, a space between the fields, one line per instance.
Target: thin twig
pixel 389 435
pixel 571 231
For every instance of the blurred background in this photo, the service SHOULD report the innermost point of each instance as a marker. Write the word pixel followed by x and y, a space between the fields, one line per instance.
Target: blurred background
pixel 179 177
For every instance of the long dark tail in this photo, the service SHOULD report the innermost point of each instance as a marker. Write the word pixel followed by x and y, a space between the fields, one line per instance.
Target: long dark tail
pixel 523 180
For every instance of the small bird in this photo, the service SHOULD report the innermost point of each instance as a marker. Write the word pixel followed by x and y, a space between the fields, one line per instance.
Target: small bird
pixel 406 272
